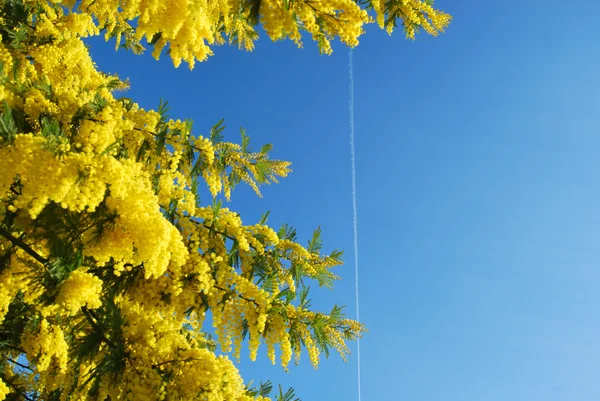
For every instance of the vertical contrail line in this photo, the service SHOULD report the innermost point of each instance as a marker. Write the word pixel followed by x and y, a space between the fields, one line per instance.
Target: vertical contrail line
pixel 354 213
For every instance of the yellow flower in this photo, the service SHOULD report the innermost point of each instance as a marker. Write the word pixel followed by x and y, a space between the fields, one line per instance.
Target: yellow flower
pixel 4 390
pixel 80 289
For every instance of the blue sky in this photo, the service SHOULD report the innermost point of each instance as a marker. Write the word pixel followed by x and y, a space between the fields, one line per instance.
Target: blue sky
pixel 478 193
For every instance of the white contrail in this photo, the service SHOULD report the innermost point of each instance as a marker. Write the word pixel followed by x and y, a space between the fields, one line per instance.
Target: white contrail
pixel 354 214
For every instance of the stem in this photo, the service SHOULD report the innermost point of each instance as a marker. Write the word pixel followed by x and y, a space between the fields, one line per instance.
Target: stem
pixel 316 10
pixel 18 389
pixel 89 315
pixel 175 360
pixel 19 364
pixel 210 227
pixel 17 242
pixel 13 348
pixel 239 296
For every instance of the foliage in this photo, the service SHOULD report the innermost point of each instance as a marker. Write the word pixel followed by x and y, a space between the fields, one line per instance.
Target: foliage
pixel 187 30
pixel 109 261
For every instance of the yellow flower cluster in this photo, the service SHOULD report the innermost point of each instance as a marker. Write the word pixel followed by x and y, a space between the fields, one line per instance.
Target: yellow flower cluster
pixel 190 27
pixel 98 202
pixel 80 289
pixel 47 346
pixel 324 20
pixel 313 351
pixel 36 104
pixel 160 347
pixel 243 165
pixel 414 14
pixel 4 390
pixel 278 334
pixel 12 281
pixel 143 235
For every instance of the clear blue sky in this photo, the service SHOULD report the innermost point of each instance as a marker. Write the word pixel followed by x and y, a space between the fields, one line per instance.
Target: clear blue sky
pixel 478 158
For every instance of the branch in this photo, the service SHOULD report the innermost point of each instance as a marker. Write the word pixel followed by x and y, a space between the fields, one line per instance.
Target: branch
pixel 17 242
pixel 88 315
pixel 19 364
pixel 95 120
pixel 254 155
pixel 239 296
pixel 18 389
pixel 156 135
pixel 210 227
pixel 316 10
pixel 175 360
pixel 13 348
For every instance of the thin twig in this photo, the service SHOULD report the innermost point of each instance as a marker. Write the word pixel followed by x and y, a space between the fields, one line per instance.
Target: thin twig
pixel 21 350
pixel 18 389
pixel 88 315
pixel 175 360
pixel 239 295
pixel 18 242
pixel 335 17
pixel 19 364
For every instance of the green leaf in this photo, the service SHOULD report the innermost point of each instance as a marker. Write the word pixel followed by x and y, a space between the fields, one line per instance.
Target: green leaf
pixel 288 396
pixel 234 256
pixel 234 179
pixel 262 169
pixel 315 244
pixel 216 206
pixel 269 284
pixel 287 232
pixel 45 88
pixel 155 38
pixel 116 83
pixel 265 389
pixel 18 36
pixel 304 301
pixel 325 279
pixel 215 132
pixel 98 104
pixel 264 217
pixel 163 108
pixel 172 210
pixel 336 314
pixel 8 127
pixel 245 142
pixel 189 124
pixel 336 255
pixel 142 150
pixel 245 329
pixel 286 293
pixel 266 148
pixel 253 6
pixel 111 147
pixel 161 139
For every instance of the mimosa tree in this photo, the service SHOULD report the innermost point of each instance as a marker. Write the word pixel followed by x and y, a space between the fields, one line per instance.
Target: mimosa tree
pixel 109 261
